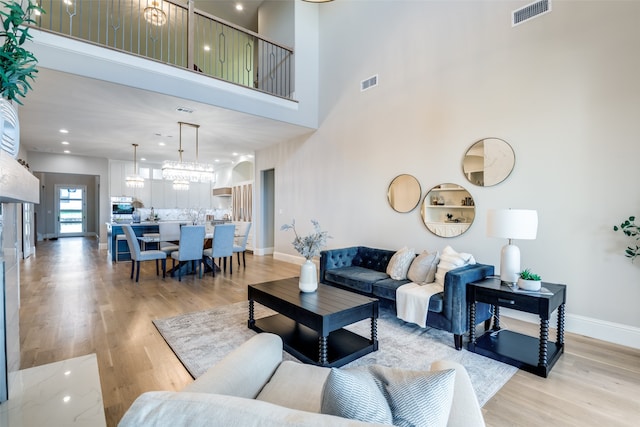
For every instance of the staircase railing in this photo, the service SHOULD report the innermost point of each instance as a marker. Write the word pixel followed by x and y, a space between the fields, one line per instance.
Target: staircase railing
pixel 173 34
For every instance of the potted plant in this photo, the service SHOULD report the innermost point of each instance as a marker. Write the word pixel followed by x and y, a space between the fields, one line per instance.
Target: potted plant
pixel 529 281
pixel 17 68
pixel 630 228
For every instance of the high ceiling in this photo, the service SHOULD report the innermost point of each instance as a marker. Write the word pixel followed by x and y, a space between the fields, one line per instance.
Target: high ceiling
pixel 104 119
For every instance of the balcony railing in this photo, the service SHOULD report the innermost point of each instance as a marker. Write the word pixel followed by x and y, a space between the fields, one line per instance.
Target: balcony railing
pixel 176 35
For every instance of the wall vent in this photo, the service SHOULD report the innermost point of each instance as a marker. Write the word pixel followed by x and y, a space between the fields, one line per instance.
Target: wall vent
pixel 184 110
pixel 369 83
pixel 530 11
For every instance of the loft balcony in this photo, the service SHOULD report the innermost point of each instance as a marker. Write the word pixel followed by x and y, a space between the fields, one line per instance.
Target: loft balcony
pixel 176 35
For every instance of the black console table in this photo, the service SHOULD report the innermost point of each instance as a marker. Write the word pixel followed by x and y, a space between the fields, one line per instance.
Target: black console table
pixel 535 355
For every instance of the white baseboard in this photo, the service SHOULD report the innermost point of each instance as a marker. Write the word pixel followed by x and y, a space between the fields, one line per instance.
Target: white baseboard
pixel 616 333
pixel 262 251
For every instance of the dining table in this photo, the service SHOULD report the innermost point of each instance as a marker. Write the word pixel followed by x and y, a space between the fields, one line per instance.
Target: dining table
pixel 184 266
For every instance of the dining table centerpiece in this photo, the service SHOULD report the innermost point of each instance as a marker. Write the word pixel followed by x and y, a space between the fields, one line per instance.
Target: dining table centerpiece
pixel 308 246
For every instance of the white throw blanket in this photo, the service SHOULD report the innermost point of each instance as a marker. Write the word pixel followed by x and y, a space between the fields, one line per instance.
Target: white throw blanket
pixel 412 301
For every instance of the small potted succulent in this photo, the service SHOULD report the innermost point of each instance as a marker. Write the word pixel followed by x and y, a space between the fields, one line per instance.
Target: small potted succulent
pixel 529 281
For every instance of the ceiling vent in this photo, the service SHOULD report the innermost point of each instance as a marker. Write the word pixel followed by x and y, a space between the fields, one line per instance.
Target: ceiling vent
pixel 530 11
pixel 369 83
pixel 184 110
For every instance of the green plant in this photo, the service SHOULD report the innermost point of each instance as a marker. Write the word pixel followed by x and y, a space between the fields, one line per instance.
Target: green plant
pixel 17 65
pixel 526 274
pixel 630 228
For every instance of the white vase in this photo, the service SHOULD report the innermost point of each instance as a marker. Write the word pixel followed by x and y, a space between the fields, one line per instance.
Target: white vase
pixel 9 128
pixel 308 277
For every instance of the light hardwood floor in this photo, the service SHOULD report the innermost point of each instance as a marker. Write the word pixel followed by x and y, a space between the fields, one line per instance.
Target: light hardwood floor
pixel 76 302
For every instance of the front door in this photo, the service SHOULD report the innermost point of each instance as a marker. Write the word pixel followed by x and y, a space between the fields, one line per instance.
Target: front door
pixel 71 210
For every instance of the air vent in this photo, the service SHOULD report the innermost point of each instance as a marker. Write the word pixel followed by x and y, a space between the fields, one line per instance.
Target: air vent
pixel 369 83
pixel 530 11
pixel 184 110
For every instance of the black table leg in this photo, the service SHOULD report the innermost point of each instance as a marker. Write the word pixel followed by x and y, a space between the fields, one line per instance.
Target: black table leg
pixel 323 351
pixel 544 337
pixel 252 320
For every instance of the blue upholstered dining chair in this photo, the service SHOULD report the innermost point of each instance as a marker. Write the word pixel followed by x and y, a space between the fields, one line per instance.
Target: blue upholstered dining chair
pixel 190 247
pixel 137 256
pixel 222 246
pixel 240 245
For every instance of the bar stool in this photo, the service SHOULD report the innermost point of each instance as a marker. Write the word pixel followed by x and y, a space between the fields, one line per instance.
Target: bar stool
pixel 154 235
pixel 119 237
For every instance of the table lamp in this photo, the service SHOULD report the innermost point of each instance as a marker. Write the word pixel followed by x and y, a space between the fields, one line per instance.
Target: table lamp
pixel 511 224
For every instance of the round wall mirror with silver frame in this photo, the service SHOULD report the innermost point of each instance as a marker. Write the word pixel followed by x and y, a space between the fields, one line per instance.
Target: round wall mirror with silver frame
pixel 404 193
pixel 448 210
pixel 488 162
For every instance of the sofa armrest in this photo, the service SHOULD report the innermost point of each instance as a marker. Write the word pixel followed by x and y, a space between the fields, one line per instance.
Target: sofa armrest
pixel 465 409
pixel 455 294
pixel 183 409
pixel 244 371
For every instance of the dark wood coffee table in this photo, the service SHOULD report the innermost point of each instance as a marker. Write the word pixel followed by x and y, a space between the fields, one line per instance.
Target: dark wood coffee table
pixel 311 324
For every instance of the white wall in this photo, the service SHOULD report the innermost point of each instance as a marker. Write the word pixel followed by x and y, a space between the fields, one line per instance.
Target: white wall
pixel 562 89
pixel 64 164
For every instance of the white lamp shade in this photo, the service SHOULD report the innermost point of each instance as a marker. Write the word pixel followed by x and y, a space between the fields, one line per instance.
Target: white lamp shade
pixel 512 223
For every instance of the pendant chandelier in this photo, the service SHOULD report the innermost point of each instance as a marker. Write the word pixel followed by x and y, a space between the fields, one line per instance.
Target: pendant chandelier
pixel 135 180
pixel 182 173
pixel 154 14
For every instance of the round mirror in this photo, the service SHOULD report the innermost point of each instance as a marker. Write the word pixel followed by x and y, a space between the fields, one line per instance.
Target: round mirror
pixel 448 210
pixel 404 193
pixel 488 162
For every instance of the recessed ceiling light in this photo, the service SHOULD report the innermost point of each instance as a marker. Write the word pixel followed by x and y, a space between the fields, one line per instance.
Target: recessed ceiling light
pixel 64 131
pixel 239 7
pixel 162 144
pixel 66 151
pixel 207 48
pixel 235 154
pixel 65 143
pixel 217 160
pixel 143 159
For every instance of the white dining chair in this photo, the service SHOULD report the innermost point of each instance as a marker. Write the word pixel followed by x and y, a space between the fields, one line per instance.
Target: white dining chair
pixel 169 232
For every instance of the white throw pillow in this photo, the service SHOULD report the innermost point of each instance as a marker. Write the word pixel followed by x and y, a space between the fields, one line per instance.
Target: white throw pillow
pixel 450 259
pixel 399 263
pixel 423 267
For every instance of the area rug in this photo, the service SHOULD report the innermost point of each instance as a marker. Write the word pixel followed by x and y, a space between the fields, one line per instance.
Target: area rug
pixel 202 338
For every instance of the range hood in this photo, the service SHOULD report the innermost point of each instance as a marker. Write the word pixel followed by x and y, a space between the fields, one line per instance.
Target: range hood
pixel 17 184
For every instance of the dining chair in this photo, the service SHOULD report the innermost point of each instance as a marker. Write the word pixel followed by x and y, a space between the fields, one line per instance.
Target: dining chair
pixel 137 256
pixel 221 246
pixel 169 232
pixel 190 247
pixel 240 244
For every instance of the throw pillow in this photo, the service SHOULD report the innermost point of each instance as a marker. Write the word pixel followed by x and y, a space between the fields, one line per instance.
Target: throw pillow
pixel 355 394
pixel 450 259
pixel 423 267
pixel 417 398
pixel 399 263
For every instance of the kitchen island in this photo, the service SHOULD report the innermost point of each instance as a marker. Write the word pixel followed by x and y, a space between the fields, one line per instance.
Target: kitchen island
pixel 115 229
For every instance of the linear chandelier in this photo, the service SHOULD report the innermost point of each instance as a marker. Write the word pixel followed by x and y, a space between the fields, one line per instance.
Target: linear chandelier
pixel 182 173
pixel 135 180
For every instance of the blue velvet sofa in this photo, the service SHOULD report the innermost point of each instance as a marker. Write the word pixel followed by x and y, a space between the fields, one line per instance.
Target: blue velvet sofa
pixel 363 270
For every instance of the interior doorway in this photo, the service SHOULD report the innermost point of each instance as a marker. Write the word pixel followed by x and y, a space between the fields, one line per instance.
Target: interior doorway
pixel 71 210
pixel 268 211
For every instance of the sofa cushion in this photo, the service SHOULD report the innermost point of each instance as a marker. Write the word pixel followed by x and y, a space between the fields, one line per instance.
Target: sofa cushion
pixel 400 262
pixel 414 398
pixel 358 278
pixel 423 268
pixel 386 288
pixel 296 386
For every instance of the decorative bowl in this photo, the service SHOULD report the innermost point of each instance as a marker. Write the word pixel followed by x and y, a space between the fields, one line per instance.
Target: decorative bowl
pixel 529 285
